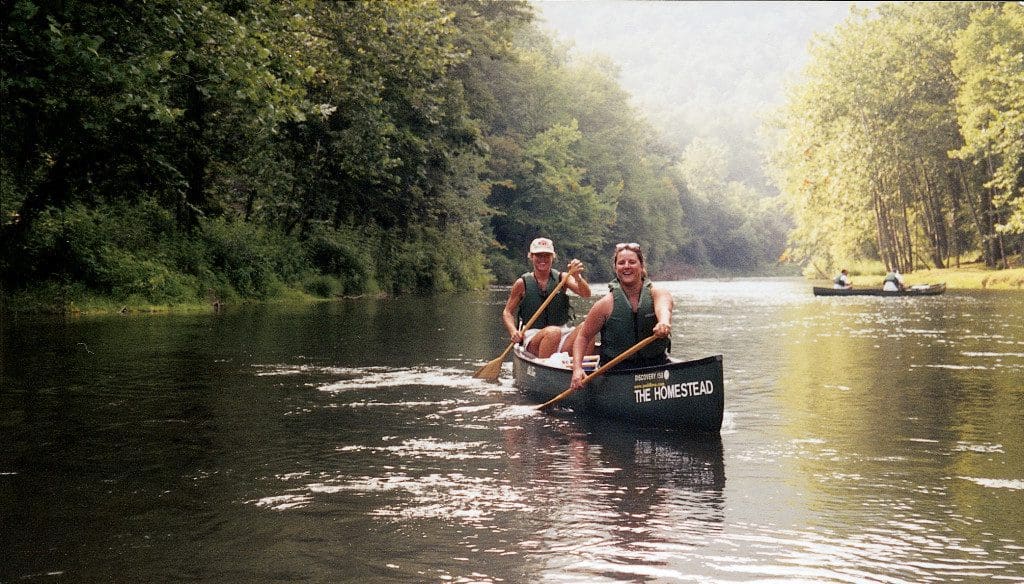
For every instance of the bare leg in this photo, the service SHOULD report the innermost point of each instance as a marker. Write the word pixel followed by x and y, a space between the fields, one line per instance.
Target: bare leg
pixel 571 339
pixel 534 345
pixel 545 343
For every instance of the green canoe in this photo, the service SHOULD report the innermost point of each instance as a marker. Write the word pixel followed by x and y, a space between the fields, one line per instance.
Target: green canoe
pixel 688 396
pixel 928 290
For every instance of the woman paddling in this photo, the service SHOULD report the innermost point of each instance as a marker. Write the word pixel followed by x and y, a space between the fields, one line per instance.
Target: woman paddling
pixel 633 310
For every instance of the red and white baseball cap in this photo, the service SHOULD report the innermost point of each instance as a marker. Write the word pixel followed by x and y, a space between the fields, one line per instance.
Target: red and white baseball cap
pixel 542 245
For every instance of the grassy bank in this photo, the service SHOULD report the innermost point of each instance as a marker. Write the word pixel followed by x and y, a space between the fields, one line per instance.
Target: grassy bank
pixel 50 301
pixel 966 277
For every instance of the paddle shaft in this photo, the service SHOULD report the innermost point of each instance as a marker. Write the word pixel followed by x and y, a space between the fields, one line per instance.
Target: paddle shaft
pixel 600 370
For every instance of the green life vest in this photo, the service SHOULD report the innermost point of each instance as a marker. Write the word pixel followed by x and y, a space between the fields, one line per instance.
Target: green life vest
pixel 625 328
pixel 839 280
pixel 890 277
pixel 557 313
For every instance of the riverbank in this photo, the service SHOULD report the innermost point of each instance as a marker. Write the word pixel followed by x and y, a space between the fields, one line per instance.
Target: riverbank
pixel 47 302
pixel 966 277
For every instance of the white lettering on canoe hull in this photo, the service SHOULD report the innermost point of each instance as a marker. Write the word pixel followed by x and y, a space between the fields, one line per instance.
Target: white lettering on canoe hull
pixel 659 376
pixel 647 391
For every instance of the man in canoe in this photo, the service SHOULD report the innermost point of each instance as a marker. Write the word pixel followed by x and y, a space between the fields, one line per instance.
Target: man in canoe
pixel 633 310
pixel 842 281
pixel 550 333
pixel 893 282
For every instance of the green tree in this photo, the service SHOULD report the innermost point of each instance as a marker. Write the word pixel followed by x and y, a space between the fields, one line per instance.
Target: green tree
pixel 112 103
pixel 990 67
pixel 864 164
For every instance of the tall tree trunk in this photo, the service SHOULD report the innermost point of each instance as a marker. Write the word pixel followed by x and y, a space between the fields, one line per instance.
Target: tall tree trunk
pixel 886 242
pixel 991 220
pixel 195 160
pixel 977 208
pixel 901 232
pixel 934 223
pixel 954 196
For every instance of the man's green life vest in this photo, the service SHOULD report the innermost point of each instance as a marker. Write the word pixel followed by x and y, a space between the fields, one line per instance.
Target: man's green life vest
pixel 557 313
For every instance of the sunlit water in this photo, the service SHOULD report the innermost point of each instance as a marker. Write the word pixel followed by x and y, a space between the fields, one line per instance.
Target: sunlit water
pixel 865 440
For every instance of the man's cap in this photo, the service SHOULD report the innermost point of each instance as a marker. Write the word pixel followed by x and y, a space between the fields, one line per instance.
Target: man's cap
pixel 542 245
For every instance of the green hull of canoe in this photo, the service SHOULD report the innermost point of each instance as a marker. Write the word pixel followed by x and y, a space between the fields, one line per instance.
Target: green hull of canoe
pixel 933 290
pixel 688 396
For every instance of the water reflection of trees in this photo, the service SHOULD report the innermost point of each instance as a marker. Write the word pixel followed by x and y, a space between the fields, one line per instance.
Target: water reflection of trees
pixel 905 406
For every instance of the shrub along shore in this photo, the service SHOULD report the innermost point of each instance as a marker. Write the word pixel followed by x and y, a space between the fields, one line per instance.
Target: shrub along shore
pixel 966 277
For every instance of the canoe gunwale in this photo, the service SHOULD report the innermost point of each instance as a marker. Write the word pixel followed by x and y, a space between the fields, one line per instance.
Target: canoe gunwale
pixel 673 363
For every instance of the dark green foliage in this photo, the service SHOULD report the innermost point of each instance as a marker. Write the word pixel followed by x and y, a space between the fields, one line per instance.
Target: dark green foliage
pixel 116 251
pixel 190 151
pixel 506 269
pixel 346 255
pixel 321 286
pixel 256 261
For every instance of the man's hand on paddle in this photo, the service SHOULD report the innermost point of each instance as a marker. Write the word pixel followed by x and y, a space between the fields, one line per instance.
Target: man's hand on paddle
pixel 575 267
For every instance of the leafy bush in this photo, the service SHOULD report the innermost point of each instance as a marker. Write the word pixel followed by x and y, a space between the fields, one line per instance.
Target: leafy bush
pixel 322 286
pixel 110 251
pixel 250 258
pixel 504 269
pixel 346 255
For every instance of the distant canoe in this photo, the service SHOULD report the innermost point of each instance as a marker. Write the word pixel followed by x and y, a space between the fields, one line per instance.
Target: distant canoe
pixel 687 396
pixel 928 290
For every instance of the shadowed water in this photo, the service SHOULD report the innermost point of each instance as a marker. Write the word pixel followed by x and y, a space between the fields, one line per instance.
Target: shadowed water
pixel 866 439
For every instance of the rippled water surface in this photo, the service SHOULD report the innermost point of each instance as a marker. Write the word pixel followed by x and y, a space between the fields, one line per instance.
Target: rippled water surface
pixel 865 440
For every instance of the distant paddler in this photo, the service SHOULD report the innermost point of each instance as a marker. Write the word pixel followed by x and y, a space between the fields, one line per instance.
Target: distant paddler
pixel 893 282
pixel 842 281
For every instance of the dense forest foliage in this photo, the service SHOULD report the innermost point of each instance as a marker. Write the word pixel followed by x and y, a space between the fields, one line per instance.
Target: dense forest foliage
pixel 182 151
pixel 905 142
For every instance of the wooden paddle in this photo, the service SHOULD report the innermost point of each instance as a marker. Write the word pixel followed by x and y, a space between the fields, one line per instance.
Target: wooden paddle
pixel 491 370
pixel 624 355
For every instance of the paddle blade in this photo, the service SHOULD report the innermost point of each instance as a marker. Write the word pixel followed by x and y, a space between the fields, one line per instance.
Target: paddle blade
pixel 490 371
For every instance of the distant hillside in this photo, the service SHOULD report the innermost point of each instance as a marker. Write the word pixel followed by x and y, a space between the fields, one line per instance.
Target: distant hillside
pixel 701 68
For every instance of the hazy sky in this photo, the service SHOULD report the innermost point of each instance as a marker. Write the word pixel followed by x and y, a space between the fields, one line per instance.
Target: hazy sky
pixel 714 53
pixel 701 69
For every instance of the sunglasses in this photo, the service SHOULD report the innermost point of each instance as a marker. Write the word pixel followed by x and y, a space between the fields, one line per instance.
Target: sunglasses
pixel 629 246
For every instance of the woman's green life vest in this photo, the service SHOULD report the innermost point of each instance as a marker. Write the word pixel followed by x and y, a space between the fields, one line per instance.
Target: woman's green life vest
pixel 556 314
pixel 625 328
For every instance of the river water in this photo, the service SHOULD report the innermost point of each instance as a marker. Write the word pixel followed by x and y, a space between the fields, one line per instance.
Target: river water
pixel 865 440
